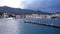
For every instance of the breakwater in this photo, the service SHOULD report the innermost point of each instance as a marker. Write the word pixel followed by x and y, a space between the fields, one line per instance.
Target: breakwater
pixel 44 24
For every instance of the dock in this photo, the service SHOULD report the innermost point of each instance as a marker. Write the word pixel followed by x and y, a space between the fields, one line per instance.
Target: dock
pixel 44 24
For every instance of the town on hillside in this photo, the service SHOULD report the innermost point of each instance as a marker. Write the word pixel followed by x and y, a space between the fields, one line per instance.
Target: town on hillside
pixel 7 15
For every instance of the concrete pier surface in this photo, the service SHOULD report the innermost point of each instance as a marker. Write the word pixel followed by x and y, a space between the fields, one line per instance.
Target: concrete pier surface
pixel 44 24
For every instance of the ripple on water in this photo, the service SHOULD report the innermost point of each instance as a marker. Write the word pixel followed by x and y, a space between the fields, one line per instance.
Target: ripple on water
pixel 8 26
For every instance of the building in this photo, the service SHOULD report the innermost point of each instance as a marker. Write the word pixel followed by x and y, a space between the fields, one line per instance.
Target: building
pixel 38 16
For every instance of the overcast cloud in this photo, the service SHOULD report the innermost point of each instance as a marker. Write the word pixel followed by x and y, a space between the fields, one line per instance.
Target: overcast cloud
pixel 43 5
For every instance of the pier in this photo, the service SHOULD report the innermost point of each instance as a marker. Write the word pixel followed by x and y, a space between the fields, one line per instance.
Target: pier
pixel 44 24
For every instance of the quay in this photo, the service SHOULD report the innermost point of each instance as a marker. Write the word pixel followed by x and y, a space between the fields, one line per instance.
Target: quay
pixel 38 23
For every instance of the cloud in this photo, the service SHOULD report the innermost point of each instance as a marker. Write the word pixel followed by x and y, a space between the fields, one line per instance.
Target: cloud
pixel 11 3
pixel 44 5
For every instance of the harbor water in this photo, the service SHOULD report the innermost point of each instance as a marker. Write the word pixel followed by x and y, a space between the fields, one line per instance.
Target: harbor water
pixel 17 26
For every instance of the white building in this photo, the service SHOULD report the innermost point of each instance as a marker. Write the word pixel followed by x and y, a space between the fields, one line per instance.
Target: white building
pixel 38 16
pixel 4 15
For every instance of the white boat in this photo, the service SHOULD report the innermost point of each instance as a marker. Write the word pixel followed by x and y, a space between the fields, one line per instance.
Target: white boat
pixel 10 18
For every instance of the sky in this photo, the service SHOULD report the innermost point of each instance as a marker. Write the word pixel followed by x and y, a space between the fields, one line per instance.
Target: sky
pixel 42 5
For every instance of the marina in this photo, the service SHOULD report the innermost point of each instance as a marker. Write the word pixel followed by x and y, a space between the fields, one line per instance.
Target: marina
pixel 24 26
pixel 29 16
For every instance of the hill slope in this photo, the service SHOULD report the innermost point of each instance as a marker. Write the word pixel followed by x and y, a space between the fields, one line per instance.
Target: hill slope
pixel 20 11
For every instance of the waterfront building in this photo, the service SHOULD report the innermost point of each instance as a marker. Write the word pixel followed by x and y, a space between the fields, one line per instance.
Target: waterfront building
pixel 4 15
pixel 38 16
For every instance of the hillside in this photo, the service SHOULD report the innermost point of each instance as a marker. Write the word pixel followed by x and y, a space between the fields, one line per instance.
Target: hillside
pixel 20 11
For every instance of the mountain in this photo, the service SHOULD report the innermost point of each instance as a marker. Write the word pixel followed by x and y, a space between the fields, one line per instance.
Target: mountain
pixel 20 11
pixel 58 12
